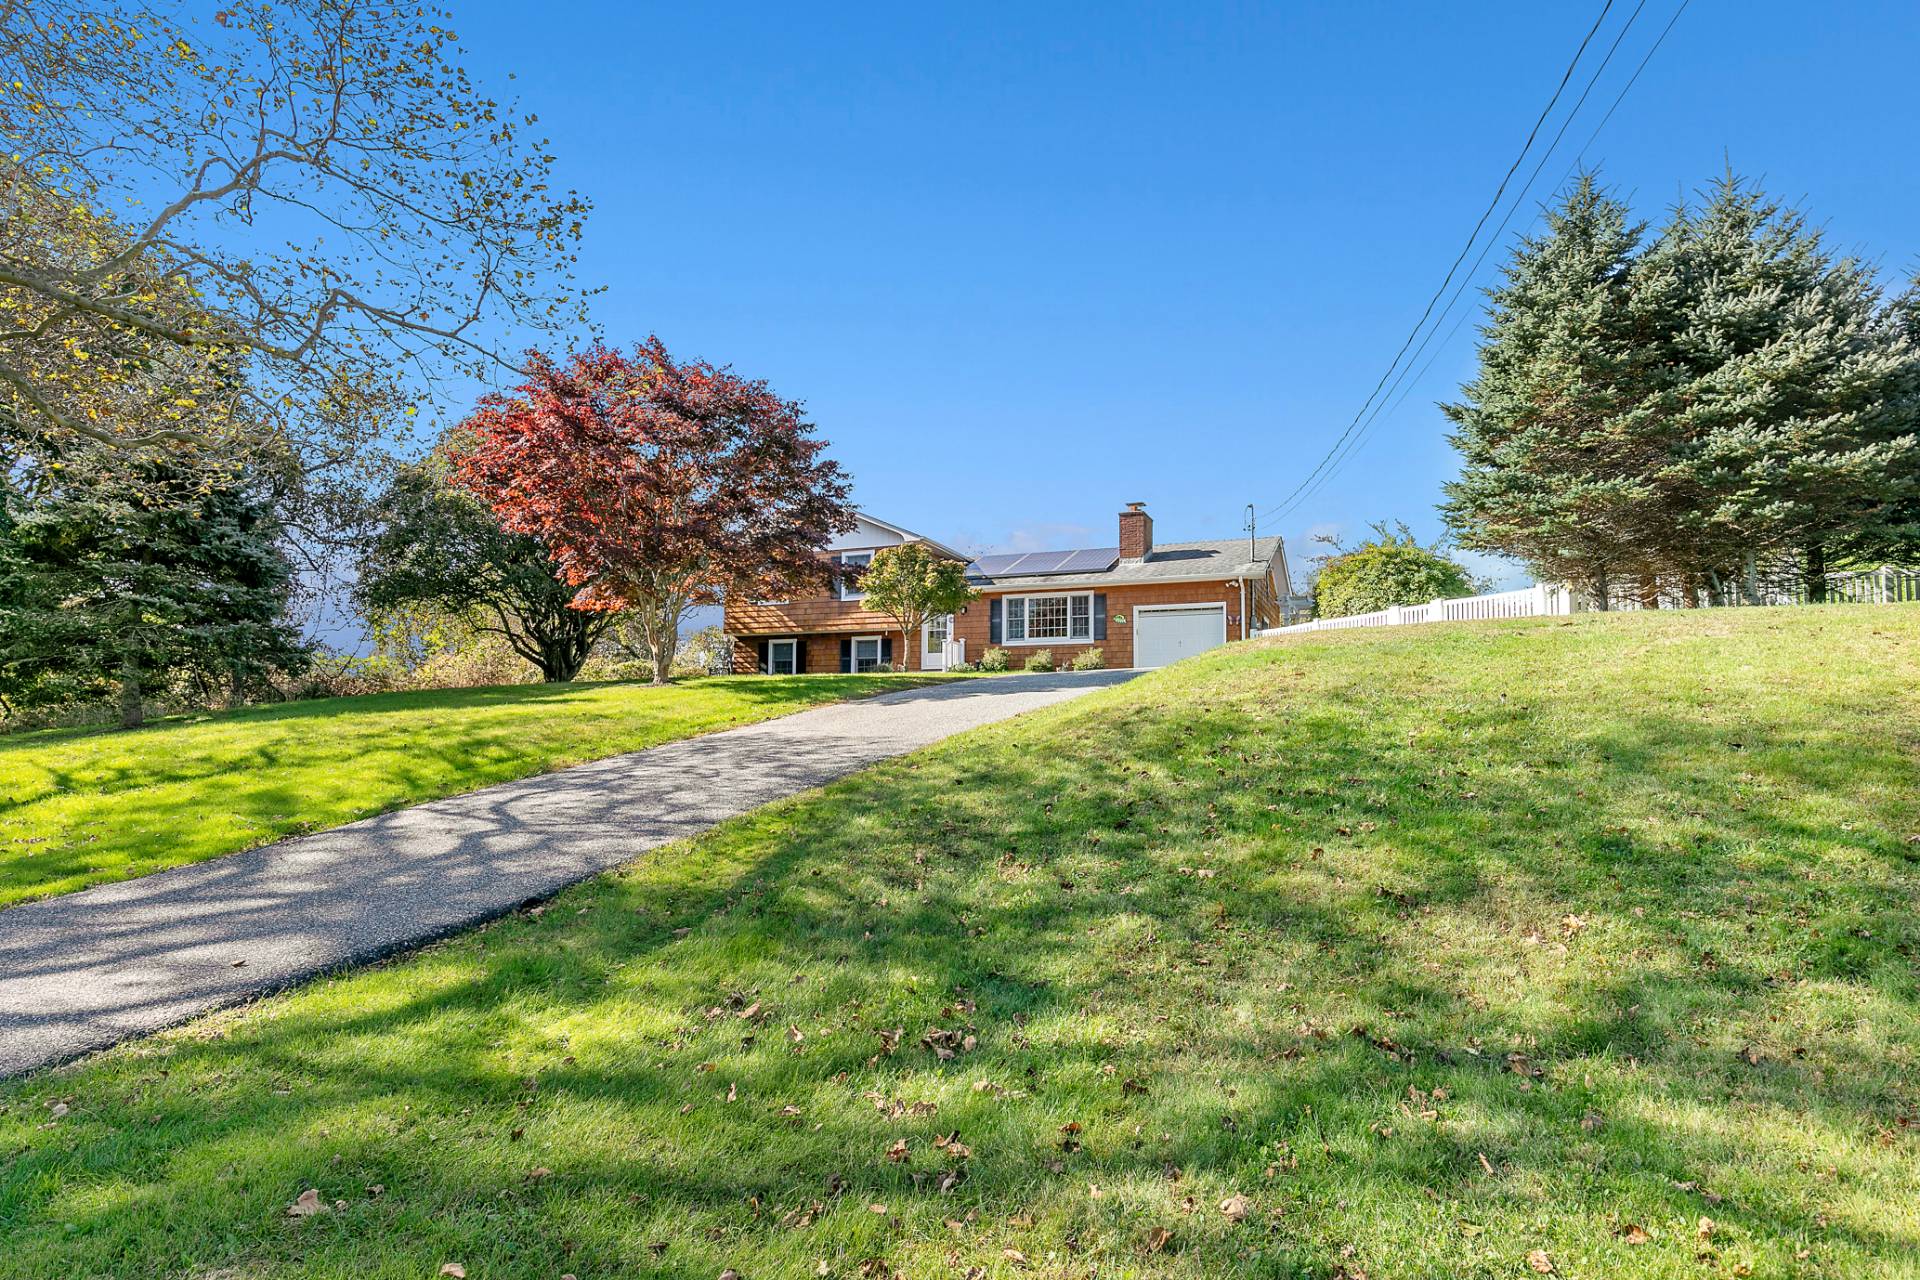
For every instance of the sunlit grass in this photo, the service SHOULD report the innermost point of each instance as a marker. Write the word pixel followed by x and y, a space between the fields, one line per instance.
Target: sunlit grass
pixel 80 808
pixel 1592 941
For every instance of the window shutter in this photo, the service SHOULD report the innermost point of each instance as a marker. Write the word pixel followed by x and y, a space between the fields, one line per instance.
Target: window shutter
pixel 846 653
pixel 799 657
pixel 993 622
pixel 765 665
pixel 1099 615
pixel 886 649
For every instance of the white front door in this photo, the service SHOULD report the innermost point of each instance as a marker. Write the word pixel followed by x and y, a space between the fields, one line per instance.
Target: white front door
pixel 933 643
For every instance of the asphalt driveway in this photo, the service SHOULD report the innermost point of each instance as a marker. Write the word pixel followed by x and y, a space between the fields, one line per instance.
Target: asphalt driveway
pixel 87 970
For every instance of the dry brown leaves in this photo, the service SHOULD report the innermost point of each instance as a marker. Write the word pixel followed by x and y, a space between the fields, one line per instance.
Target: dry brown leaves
pixel 308 1204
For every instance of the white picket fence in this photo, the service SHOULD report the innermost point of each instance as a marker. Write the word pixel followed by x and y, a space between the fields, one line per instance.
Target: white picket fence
pixel 1885 585
pixel 1538 601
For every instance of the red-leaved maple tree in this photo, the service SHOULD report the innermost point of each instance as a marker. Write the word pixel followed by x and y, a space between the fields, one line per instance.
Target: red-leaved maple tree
pixel 658 485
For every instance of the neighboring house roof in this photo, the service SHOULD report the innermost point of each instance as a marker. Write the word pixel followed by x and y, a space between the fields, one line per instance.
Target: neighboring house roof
pixel 1167 562
pixel 910 536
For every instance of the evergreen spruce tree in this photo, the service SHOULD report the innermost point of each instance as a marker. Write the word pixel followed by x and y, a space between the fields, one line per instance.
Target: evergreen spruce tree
pixel 1555 440
pixel 124 581
pixel 1789 401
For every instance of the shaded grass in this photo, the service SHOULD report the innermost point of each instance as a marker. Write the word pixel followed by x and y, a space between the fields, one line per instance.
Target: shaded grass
pixel 1442 946
pixel 83 807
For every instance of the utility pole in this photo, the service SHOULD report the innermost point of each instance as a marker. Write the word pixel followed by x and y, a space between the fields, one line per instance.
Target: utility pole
pixel 1246 595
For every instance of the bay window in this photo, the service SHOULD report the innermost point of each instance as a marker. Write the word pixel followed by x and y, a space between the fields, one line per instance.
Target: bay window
pixel 1032 619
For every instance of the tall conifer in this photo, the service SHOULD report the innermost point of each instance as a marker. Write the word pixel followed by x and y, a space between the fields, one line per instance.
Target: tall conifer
pixel 1554 442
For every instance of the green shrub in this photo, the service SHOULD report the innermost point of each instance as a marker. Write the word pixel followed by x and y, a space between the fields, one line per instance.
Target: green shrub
pixel 1390 568
pixel 995 659
pixel 963 668
pixel 1089 660
pixel 881 668
pixel 1040 660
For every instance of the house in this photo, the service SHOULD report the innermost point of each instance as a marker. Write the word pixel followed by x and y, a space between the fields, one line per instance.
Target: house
pixel 1142 604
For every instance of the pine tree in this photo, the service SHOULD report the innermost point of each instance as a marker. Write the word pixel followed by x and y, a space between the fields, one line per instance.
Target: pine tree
pixel 1555 444
pixel 126 581
pixel 1790 401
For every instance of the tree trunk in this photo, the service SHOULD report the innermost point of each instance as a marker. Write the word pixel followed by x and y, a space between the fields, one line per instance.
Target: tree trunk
pixel 561 660
pixel 1602 591
pixel 133 705
pixel 1816 573
pixel 1649 591
pixel 1752 580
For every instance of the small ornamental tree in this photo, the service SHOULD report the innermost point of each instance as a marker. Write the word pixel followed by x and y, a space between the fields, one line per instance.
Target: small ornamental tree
pixel 1388 569
pixel 911 583
pixel 656 485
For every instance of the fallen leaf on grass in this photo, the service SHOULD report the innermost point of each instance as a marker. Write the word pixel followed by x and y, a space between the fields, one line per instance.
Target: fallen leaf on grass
pixel 1634 1233
pixel 307 1205
pixel 1158 1238
pixel 1236 1207
pixel 898 1151
pixel 1539 1261
pixel 454 1270
pixel 534 1175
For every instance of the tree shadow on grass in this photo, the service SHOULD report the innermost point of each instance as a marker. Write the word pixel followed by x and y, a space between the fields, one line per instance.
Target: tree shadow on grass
pixel 1376 994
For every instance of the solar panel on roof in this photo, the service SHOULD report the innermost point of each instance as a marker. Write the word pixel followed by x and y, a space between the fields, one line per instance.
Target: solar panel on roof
pixel 992 566
pixel 1091 560
pixel 1043 561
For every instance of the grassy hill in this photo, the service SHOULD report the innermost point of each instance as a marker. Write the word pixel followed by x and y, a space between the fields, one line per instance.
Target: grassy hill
pixel 82 807
pixel 1573 947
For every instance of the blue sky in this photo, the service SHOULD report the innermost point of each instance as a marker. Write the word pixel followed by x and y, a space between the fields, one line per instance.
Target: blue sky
pixel 1026 262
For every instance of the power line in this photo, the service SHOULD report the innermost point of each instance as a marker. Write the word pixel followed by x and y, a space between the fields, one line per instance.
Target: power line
pixel 1631 81
pixel 1383 408
pixel 1493 204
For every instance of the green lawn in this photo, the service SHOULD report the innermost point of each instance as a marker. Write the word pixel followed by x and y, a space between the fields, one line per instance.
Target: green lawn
pixel 80 808
pixel 1573 946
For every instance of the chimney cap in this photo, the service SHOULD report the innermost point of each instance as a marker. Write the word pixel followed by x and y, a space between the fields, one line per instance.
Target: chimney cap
pixel 1136 506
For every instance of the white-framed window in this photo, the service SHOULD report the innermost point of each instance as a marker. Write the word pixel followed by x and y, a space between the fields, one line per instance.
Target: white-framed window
pixel 782 658
pixel 851 563
pixel 936 632
pixel 1044 619
pixel 866 652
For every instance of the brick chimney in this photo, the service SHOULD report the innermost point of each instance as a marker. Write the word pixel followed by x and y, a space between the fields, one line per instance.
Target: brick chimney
pixel 1136 532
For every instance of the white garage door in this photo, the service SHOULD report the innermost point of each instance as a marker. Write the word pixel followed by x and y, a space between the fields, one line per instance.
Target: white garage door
pixel 1168 633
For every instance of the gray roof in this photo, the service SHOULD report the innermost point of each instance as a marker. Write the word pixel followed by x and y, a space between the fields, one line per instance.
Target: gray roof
pixel 1168 562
